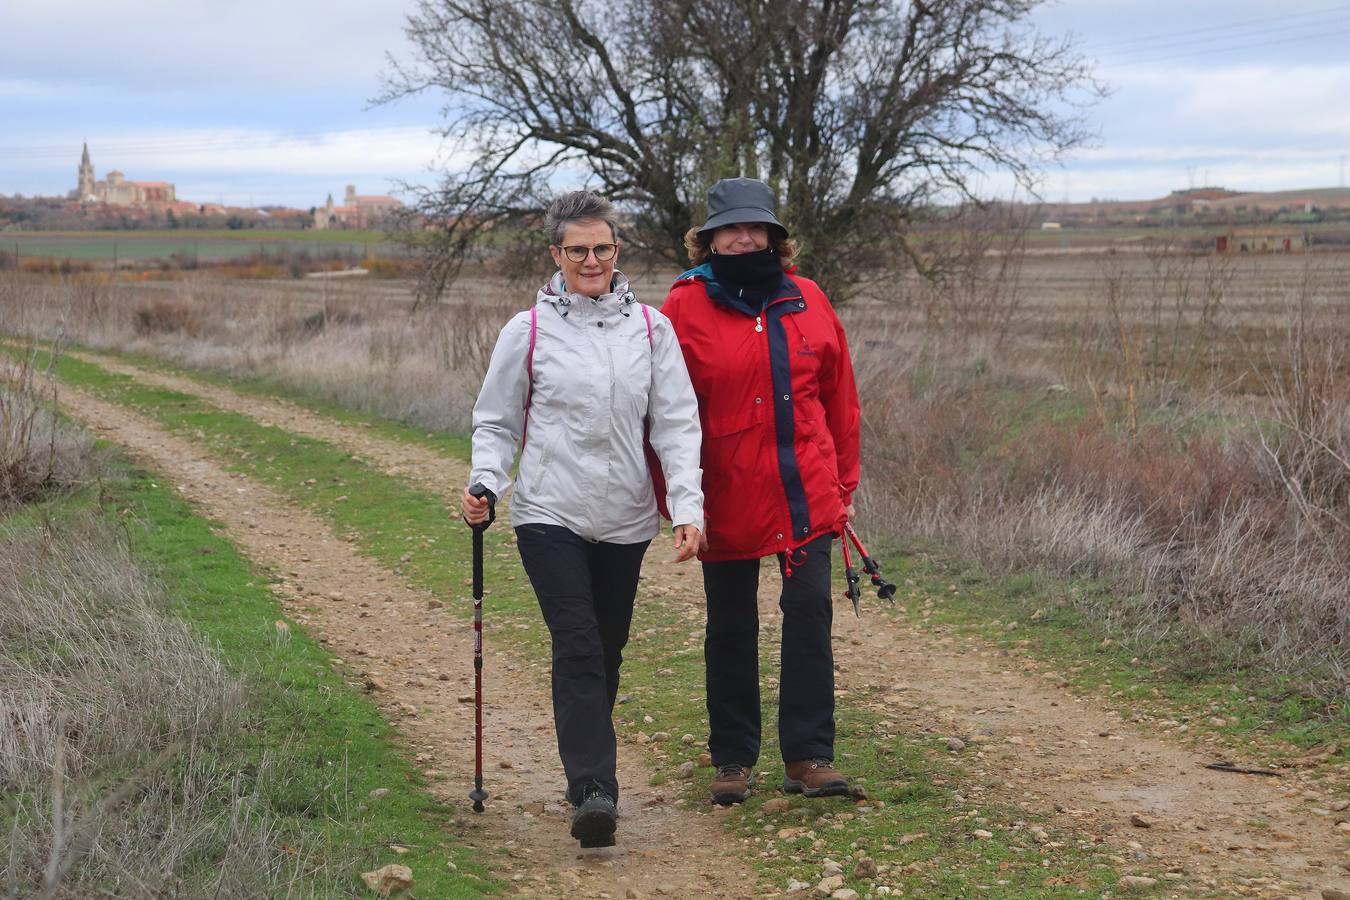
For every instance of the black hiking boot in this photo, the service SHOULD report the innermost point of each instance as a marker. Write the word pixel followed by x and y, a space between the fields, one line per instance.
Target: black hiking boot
pixel 595 818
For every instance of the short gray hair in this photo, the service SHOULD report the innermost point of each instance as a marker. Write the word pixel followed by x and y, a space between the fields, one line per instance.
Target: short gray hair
pixel 578 206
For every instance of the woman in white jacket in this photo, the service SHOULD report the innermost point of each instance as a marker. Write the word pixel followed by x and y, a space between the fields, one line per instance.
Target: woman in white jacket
pixel 577 380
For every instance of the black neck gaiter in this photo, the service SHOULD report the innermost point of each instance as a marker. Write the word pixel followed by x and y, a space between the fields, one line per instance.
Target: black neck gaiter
pixel 748 278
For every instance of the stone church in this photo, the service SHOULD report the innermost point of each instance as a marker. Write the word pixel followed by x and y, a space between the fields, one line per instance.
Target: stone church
pixel 116 190
pixel 356 211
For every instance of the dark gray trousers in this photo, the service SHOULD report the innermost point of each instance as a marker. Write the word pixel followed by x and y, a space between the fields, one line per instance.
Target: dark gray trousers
pixel 586 593
pixel 731 654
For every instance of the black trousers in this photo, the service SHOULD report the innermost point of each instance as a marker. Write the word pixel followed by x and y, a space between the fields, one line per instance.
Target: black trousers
pixel 586 593
pixel 731 655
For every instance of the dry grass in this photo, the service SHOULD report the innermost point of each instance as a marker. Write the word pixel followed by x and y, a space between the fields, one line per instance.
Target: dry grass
pixel 354 345
pixel 111 713
pixel 39 454
pixel 1219 516
pixel 1176 425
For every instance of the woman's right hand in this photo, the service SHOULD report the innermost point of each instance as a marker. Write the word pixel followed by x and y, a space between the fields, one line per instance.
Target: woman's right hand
pixel 474 509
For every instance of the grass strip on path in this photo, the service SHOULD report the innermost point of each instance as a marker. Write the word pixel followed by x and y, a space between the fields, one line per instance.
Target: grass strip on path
pixel 915 826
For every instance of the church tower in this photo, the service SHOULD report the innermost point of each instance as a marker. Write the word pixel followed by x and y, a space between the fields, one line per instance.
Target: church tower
pixel 85 190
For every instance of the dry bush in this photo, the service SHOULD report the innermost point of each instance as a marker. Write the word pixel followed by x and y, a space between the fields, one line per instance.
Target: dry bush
pixel 112 714
pixel 1308 397
pixel 39 453
pixel 391 267
pixel 166 315
pixel 304 326
pixel 975 288
pixel 52 266
pixel 1159 334
pixel 1199 530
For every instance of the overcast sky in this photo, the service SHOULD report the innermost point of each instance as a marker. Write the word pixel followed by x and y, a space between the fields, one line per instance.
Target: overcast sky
pixel 250 102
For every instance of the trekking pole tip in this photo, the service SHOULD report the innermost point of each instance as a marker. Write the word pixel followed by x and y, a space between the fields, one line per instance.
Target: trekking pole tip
pixel 478 795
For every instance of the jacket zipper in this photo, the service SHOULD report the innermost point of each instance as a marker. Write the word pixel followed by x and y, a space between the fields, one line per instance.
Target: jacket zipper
pixel 759 323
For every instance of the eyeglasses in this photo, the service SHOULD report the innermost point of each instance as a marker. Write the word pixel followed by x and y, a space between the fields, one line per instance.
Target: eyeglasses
pixel 603 252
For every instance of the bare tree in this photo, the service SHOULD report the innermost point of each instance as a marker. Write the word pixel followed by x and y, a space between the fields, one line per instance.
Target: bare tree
pixel 859 114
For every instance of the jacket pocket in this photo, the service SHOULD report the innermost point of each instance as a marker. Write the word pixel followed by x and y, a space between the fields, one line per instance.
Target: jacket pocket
pixel 534 464
pixel 729 423
pixel 815 433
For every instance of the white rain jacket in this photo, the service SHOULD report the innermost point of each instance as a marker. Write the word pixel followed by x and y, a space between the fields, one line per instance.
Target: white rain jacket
pixel 596 378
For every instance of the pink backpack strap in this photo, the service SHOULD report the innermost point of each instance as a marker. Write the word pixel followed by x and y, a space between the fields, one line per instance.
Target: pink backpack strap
pixel 529 371
pixel 647 317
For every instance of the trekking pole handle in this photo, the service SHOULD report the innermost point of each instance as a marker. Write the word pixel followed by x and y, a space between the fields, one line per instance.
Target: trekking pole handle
pixel 478 490
pixel 885 589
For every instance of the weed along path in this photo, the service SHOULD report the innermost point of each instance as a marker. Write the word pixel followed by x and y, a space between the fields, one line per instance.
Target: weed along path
pixel 416 661
pixel 1078 776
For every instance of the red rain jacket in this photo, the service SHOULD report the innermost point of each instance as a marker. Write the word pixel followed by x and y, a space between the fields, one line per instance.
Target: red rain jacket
pixel 779 410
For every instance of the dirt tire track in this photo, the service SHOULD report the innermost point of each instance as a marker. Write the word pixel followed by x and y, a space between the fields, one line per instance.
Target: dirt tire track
pixel 1062 756
pixel 417 659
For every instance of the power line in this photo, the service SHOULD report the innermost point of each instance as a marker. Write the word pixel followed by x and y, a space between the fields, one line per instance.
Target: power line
pixel 1305 29
pixel 1290 40
pixel 1231 25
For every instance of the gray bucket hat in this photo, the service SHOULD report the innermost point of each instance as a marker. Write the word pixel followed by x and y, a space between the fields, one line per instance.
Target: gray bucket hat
pixel 735 200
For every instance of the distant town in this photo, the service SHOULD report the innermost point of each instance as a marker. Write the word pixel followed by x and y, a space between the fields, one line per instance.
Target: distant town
pixel 1280 221
pixel 118 202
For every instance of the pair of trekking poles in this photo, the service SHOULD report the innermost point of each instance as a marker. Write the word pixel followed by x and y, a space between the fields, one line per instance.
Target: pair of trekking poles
pixel 871 568
pixel 885 590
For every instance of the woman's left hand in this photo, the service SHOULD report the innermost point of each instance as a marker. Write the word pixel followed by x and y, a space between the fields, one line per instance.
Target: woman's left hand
pixel 687 542
pixel 850 511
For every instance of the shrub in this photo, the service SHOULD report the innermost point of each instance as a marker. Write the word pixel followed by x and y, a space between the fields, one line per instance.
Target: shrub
pixel 166 315
pixel 39 454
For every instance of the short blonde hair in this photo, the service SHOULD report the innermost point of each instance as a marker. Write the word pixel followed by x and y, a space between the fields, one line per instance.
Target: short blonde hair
pixel 699 246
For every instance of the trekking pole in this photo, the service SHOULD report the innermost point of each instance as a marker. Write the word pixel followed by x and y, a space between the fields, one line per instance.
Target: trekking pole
pixel 885 590
pixel 478 795
pixel 852 577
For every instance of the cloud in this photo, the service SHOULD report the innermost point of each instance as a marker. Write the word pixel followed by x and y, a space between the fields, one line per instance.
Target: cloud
pixel 26 90
pixel 249 151
pixel 1256 103
pixel 311 43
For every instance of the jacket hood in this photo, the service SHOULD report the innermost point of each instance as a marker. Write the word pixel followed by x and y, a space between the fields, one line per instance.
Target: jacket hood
pixel 555 292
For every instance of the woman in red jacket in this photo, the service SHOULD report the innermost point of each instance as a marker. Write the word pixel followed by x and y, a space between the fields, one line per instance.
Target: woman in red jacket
pixel 779 410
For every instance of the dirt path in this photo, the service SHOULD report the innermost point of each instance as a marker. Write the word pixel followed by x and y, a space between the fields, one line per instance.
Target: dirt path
pixel 1033 743
pixel 416 661
pixel 1030 741
pixel 425 468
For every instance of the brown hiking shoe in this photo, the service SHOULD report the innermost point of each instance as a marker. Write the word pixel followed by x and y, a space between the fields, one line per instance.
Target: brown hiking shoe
pixel 814 778
pixel 732 784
